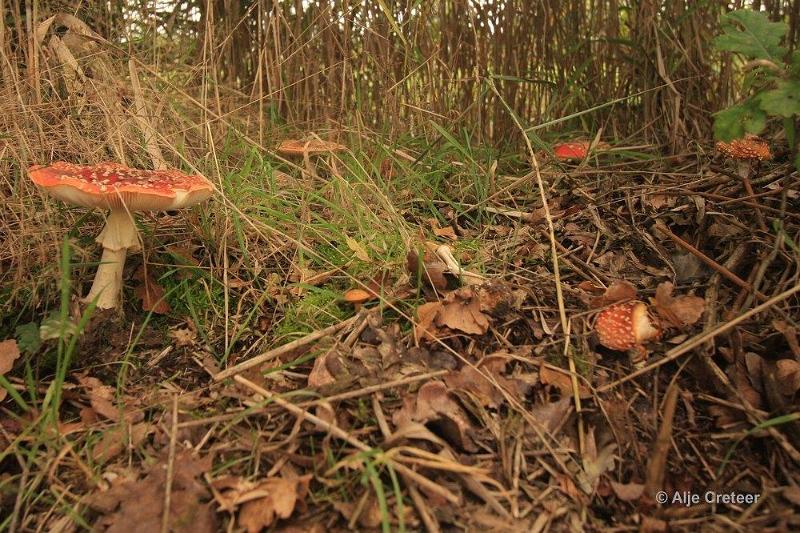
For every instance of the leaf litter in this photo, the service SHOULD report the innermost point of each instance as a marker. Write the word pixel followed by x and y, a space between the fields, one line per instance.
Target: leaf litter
pixel 456 370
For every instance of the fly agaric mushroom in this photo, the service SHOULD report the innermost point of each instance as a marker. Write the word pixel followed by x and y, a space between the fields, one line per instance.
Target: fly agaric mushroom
pixel 123 191
pixel 746 153
pixel 306 149
pixel 576 150
pixel 571 151
pixel 751 148
pixel 626 326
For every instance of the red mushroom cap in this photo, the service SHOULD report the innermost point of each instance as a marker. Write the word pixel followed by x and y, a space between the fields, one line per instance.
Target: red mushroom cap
pixel 111 186
pixel 625 326
pixel 571 150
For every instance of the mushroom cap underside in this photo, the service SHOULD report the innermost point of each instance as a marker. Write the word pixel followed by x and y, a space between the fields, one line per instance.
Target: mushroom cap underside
pixel 112 186
pixel 296 147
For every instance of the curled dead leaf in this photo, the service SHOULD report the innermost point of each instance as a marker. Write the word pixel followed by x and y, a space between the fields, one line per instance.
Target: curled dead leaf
pixel 787 374
pixel 680 311
pixel 9 352
pixel 472 380
pixel 460 311
pixel 561 380
pixel 618 291
pixel 139 504
pixel 272 499
pixel 151 293
pixel 428 271
pixel 627 492
pixel 434 407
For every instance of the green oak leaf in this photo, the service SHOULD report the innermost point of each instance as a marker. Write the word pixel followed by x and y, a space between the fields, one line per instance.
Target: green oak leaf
pixel 783 100
pixel 751 34
pixel 734 122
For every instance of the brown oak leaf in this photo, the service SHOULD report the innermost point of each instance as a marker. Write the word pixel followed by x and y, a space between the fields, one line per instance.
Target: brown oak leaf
pixel 679 311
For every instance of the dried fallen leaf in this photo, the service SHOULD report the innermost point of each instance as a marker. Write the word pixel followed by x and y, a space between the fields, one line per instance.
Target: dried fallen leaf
pixel 320 375
pixel 551 415
pixel 102 399
pixel 278 499
pixel 151 293
pixel 139 504
pixel 472 380
pixel 114 440
pixel 462 311
pixel 426 315
pixel 788 376
pixel 561 380
pixel 618 291
pixel 9 352
pixel 434 407
pixel 595 463
pixel 680 311
pixel 183 336
pixel 447 232
pixel 428 272
pixel 627 492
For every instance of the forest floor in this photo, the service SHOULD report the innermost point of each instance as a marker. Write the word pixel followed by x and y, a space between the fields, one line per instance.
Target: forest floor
pixel 239 389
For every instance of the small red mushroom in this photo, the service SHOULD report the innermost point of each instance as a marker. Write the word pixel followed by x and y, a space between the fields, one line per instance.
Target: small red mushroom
pixel 123 191
pixel 626 326
pixel 576 150
pixel 571 151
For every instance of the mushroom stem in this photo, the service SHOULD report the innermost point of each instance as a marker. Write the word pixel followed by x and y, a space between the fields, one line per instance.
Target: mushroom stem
pixel 107 283
pixel 118 235
pixel 744 169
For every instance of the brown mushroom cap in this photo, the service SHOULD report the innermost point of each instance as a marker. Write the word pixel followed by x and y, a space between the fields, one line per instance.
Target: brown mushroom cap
pixel 751 147
pixel 111 186
pixel 295 147
pixel 358 296
pixel 625 326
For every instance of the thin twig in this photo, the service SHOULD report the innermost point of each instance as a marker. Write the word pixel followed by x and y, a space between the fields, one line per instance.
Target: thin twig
pixel 339 433
pixel 173 440
pixel 286 348
pixel 708 261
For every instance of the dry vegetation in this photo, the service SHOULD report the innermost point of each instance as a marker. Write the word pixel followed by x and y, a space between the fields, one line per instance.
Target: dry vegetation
pixel 239 388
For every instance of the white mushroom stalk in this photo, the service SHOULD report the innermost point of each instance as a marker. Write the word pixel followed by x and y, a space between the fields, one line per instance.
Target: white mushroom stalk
pixel 446 254
pixel 123 191
pixel 118 236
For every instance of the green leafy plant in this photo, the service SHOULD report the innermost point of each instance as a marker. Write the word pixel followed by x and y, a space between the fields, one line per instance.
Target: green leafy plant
pixel 772 80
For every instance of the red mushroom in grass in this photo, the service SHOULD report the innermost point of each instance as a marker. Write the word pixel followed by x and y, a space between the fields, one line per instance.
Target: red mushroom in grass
pixel 576 150
pixel 626 326
pixel 123 191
